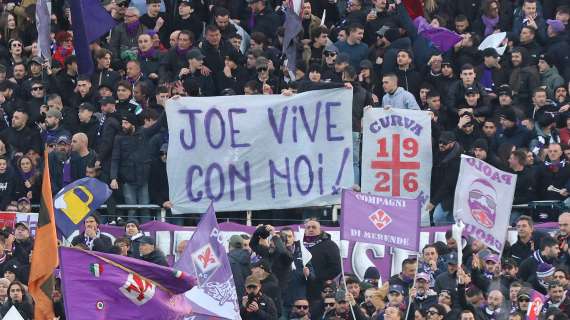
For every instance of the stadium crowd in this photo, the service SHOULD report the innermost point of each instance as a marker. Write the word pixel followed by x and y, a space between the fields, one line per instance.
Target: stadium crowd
pixel 508 108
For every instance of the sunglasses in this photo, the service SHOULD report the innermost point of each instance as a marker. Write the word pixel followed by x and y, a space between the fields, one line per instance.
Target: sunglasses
pixel 16 44
pixel 251 287
pixel 163 153
pixel 261 69
pixel 124 5
pixel 303 307
pixel 328 291
pixel 330 54
pixel 524 300
pixel 37 88
pixel 330 304
pixel 432 312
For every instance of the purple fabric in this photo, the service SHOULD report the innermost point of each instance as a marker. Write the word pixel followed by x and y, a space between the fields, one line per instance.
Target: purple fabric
pixel 205 258
pixel 487 78
pixel 182 52
pixel 26 176
pixel 390 221
pixel 442 38
pixel 67 172
pixel 90 21
pixel 132 28
pixel 117 287
pixel 490 24
pixel 293 26
pixel 147 54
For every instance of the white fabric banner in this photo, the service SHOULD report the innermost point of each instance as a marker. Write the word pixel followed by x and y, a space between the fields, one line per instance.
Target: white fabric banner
pixel 397 155
pixel 483 201
pixel 259 152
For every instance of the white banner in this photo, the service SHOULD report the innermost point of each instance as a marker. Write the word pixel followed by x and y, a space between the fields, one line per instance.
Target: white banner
pixel 259 152
pixel 396 154
pixel 477 202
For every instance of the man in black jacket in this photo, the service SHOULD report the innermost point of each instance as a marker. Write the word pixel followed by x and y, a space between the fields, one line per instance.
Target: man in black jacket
pixel 239 262
pixel 548 253
pixel 130 163
pixel 255 305
pixel 149 252
pixel 20 136
pixel 92 237
pixel 325 260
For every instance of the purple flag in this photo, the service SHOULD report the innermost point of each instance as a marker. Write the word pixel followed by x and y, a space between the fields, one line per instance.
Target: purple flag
pixel 107 286
pixel 205 258
pixel 293 26
pixel 90 21
pixel 442 38
pixel 76 201
pixel 391 221
pixel 43 26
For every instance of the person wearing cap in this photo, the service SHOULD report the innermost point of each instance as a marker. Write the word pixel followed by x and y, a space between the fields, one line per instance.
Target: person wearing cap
pixel 486 272
pixel 239 259
pixel 154 19
pixel 134 234
pixel 92 237
pixel 24 205
pixel 188 18
pixel 35 68
pixel 88 123
pixel 557 47
pixel 194 73
pixel 344 302
pixel 490 73
pixel 265 79
pixel 480 150
pixel 445 172
pixel 546 132
pixel 422 296
pixel 396 297
pixel 513 133
pixel 150 253
pixel 265 19
pixel 124 36
pixel 448 279
pixel 255 305
pixel 549 76
pixel 235 75
pixel 269 283
pixel 109 128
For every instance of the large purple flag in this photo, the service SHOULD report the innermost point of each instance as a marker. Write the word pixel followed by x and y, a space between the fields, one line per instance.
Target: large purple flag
pixel 444 39
pixel 43 26
pixel 90 21
pixel 391 221
pixel 99 286
pixel 205 257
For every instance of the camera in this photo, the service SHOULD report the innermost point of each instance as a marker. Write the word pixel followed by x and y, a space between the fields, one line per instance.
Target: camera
pixel 263 232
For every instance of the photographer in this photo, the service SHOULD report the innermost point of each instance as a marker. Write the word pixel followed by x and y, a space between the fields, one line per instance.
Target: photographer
pixel 467 131
pixel 255 305
pixel 270 247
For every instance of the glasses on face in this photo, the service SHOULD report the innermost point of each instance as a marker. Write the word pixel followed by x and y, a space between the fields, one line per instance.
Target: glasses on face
pixel 251 287
pixel 432 313
pixel 524 300
pixel 16 44
pixel 162 154
pixel 123 5
pixel 37 88
pixel 302 307
pixel 261 69
pixel 330 304
pixel 327 291
pixel 330 54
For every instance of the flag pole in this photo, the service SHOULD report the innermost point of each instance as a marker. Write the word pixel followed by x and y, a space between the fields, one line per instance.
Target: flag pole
pixel 345 288
pixel 413 286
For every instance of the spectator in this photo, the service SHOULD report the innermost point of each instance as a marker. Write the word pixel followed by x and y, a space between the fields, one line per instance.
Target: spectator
pixel 548 253
pixel 92 237
pixel 256 305
pixel 397 97
pixel 150 253
pixel 325 257
pixel 18 298
pixel 239 262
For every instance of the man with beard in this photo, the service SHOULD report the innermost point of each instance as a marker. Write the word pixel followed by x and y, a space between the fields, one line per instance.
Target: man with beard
pixel 524 78
pixel 20 136
pixel 548 253
pixel 341 311
pixel 445 177
pixel 557 298
pixel 60 164
pixel 130 162
pixel 53 128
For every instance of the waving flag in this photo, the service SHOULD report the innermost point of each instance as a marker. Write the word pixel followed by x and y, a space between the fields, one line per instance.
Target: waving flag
pixel 98 286
pixel 43 25
pixel 77 201
pixel 44 259
pixel 205 257
pixel 537 301
pixel 293 26
pixel 442 38
pixel 90 21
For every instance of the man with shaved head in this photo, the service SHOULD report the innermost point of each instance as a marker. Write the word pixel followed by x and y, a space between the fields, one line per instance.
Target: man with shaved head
pixel 81 155
pixel 564 224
